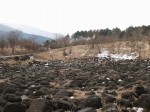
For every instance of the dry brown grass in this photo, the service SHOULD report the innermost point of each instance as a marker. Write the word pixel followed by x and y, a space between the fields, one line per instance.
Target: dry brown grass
pixel 85 50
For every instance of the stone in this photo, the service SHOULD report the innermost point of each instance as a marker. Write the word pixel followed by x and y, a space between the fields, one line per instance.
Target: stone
pixel 40 105
pixel 125 102
pixel 139 90
pixel 14 107
pixel 93 101
pixel 110 107
pixel 12 98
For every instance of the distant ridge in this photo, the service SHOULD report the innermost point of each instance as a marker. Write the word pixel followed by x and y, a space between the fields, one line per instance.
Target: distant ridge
pixel 32 30
pixel 29 33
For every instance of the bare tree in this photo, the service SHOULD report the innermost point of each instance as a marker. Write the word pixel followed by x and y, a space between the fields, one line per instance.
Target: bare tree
pixel 119 46
pixel 13 39
pixel 27 44
pixel 2 43
pixel 140 47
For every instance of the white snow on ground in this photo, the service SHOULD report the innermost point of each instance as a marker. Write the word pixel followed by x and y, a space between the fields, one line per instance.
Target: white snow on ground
pixel 106 54
pixel 138 109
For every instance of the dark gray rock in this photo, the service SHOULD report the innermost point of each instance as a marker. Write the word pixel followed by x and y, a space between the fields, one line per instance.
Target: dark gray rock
pixel 92 101
pixel 145 101
pixel 9 90
pixel 14 107
pixel 1 109
pixel 12 98
pixel 139 90
pixel 63 93
pixel 109 108
pixel 125 102
pixel 41 105
pixel 2 101
pixel 65 105
pixel 109 98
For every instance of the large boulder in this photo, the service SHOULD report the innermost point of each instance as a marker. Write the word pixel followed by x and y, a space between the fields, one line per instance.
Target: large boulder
pixel 9 90
pixel 1 109
pixel 109 98
pixel 139 90
pixel 40 105
pixel 124 102
pixel 14 107
pixel 109 108
pixel 93 101
pixel 12 98
pixel 145 101
pixel 65 105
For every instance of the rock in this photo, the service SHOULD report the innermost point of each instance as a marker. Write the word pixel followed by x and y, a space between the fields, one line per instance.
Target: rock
pixel 87 109
pixel 124 110
pixel 9 90
pixel 14 107
pixel 45 90
pixel 92 101
pixel 109 108
pixel 145 101
pixel 2 102
pixel 139 90
pixel 12 98
pixel 1 109
pixel 125 102
pixel 40 105
pixel 26 102
pixel 65 105
pixel 147 89
pixel 63 93
pixel 38 93
pixel 44 83
pixel 128 95
pixel 109 98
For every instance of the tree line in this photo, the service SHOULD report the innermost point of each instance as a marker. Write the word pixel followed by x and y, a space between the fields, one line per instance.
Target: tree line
pixel 100 36
pixel 127 33
pixel 131 36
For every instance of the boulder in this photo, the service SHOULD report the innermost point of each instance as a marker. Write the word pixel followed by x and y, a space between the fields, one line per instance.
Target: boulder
pixel 41 105
pixel 145 101
pixel 139 90
pixel 9 90
pixel 12 98
pixel 93 101
pixel 14 107
pixel 124 102
pixel 110 107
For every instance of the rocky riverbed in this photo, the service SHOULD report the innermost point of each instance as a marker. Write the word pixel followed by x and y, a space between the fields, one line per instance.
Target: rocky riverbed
pixel 77 85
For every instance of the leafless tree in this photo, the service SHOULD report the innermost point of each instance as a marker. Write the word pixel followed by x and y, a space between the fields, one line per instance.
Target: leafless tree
pixel 140 47
pixel 119 46
pixel 2 43
pixel 13 39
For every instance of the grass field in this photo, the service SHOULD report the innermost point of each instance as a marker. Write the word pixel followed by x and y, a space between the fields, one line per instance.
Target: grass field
pixel 86 50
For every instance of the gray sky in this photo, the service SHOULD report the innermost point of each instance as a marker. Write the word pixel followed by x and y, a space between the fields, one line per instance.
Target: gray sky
pixel 68 16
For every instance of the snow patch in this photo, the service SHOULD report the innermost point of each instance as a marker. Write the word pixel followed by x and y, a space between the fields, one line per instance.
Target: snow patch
pixel 119 80
pixel 106 54
pixel 137 109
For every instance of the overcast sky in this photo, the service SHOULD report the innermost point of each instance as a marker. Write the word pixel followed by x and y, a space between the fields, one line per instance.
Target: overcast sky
pixel 68 16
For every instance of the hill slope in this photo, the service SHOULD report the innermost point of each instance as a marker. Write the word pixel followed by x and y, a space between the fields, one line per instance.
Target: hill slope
pixel 38 38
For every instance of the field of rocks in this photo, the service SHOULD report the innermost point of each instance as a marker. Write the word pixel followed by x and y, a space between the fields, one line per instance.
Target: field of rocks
pixel 76 85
